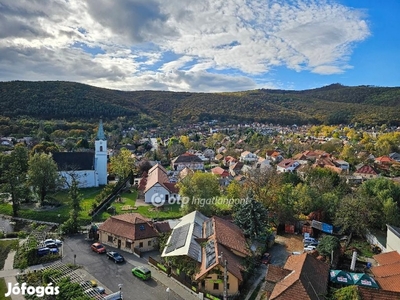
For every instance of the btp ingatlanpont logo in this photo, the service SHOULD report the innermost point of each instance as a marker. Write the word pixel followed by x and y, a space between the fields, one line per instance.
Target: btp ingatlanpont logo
pixel 38 291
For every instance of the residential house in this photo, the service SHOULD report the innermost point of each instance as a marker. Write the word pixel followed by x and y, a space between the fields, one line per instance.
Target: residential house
pixel 248 157
pixel 366 172
pixel 377 294
pixel 128 231
pixel 201 156
pixel 303 277
pixel 384 160
pixel 274 155
pixel 221 150
pixel 157 188
pixel 224 245
pixel 209 153
pixel 387 273
pixel 219 157
pixel 342 164
pixel 263 164
pixel 236 168
pixel 393 238
pixel 395 156
pixel 229 160
pixel 187 160
pixel 223 175
pixel 287 165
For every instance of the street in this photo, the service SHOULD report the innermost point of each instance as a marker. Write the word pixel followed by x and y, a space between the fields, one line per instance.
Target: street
pixel 111 274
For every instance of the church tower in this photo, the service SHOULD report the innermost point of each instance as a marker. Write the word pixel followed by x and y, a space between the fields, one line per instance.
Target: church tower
pixel 101 155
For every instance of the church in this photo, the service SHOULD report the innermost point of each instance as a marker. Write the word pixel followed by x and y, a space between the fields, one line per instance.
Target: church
pixel 89 168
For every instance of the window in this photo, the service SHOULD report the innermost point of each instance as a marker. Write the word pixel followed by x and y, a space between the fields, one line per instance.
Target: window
pixel 227 286
pixel 141 227
pixel 203 283
pixel 149 243
pixel 216 286
pixel 101 148
pixel 141 245
pixel 128 245
pixel 110 239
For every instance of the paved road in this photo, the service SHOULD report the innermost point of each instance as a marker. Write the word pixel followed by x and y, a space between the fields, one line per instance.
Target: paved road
pixel 111 274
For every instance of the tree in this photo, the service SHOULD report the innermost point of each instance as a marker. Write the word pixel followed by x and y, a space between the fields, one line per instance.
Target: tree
pixel 13 169
pixel 200 189
pixel 42 174
pixel 354 214
pixel 252 217
pixel 327 244
pixel 122 163
pixel 72 225
pixel 234 190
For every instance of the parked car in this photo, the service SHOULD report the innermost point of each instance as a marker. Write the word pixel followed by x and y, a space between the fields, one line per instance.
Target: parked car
pixel 311 244
pixel 55 241
pixel 92 283
pixel 296 253
pixel 266 258
pixel 99 248
pixel 309 240
pixel 51 245
pixel 115 256
pixel 45 251
pixel 141 272
pixel 309 248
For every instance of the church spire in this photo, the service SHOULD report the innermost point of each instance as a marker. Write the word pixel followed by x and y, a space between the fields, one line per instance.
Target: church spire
pixel 100 132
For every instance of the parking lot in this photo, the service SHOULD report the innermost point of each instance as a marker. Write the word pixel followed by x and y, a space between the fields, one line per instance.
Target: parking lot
pixel 111 274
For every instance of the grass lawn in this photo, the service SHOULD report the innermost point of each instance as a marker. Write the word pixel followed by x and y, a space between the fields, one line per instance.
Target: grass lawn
pixel 5 247
pixel 3 289
pixel 362 245
pixel 128 200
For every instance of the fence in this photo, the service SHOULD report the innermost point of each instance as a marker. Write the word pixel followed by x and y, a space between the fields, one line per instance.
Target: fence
pixel 138 252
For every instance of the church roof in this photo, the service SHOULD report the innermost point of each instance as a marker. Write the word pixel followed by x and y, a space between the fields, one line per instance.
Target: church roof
pixel 74 161
pixel 100 132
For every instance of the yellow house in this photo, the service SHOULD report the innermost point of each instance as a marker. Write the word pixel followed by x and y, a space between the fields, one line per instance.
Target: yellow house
pixel 129 231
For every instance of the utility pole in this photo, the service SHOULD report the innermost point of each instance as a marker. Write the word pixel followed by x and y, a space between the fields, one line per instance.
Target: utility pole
pixel 225 263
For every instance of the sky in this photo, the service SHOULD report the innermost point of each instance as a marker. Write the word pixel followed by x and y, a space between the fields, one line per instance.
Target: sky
pixel 201 45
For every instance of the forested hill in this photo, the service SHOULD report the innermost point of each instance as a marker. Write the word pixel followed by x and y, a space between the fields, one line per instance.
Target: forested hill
pixel 331 104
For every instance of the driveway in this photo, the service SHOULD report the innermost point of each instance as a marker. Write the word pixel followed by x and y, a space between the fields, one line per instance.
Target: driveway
pixel 284 246
pixel 111 274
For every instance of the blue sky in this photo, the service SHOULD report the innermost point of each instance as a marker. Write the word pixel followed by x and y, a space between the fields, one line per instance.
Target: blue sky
pixel 201 46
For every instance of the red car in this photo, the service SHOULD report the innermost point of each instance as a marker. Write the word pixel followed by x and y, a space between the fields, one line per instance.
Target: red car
pixel 99 248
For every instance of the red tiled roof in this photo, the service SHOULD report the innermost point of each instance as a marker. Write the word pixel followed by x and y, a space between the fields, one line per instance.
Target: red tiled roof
pixel 162 226
pixel 376 294
pixel 386 270
pixel 366 170
pixel 276 273
pixel 384 159
pixel 172 187
pixel 131 226
pixel 308 279
pixel 387 258
pixel 230 235
pixel 391 283
pixel 220 171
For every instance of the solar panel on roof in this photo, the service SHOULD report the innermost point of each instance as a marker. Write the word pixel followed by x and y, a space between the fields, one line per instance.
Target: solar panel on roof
pixel 210 254
pixel 209 228
pixel 178 238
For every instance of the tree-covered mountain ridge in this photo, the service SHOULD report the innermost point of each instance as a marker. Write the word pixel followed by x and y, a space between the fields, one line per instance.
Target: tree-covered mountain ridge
pixel 331 104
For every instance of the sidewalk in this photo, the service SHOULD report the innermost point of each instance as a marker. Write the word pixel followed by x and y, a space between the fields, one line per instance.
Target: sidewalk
pixel 9 274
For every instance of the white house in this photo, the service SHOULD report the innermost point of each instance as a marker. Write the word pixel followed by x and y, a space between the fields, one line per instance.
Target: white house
pixel 89 168
pixel 287 165
pixel 158 189
pixel 248 157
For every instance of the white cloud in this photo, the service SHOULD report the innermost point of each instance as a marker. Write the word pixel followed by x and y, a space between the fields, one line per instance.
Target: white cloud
pixel 175 44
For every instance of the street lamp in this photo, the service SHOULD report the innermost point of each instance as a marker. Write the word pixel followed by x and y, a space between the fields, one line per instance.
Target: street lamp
pixel 120 292
pixel 59 225
pixel 168 290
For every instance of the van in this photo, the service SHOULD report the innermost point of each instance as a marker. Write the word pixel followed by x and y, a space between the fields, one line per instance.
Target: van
pixel 114 296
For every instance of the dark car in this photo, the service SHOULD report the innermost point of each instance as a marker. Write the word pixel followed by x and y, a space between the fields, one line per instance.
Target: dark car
pixel 45 251
pixel 266 258
pixel 115 256
pixel 99 248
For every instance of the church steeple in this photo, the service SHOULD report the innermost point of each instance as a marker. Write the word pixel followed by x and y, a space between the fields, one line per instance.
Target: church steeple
pixel 100 132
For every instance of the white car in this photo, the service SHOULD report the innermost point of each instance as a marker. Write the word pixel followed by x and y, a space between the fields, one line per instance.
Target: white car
pixel 51 241
pixel 310 240
pixel 309 248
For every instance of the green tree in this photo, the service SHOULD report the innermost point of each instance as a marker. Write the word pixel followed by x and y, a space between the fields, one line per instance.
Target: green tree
pixel 327 244
pixel 354 214
pixel 199 189
pixel 42 174
pixel 46 147
pixel 234 190
pixel 14 168
pixel 122 163
pixel 72 224
pixel 252 217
